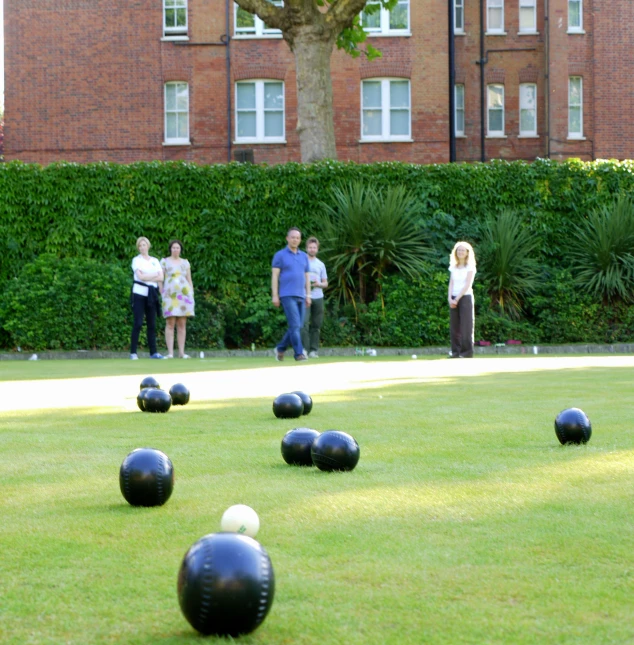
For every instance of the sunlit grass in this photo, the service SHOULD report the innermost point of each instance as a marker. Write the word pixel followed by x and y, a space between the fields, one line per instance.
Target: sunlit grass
pixel 464 522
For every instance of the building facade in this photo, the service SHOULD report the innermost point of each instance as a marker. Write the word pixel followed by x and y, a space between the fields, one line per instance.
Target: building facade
pixel 203 81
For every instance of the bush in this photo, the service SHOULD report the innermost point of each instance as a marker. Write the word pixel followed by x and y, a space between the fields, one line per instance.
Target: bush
pixel 68 304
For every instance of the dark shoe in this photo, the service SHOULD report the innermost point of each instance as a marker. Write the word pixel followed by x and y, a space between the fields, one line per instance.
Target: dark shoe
pixel 279 356
pixel 301 357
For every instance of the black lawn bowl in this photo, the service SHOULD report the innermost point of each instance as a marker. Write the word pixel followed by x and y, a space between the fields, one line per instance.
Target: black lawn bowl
pixel 288 406
pixel 140 399
pixel 573 426
pixel 306 400
pixel 157 400
pixel 226 584
pixel 335 450
pixel 149 381
pixel 146 477
pixel 179 394
pixel 296 445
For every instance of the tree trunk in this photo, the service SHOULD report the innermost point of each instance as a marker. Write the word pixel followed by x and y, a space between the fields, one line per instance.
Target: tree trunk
pixel 312 49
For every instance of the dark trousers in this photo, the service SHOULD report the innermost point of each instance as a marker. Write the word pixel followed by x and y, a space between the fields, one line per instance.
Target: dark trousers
pixel 461 321
pixel 313 321
pixel 143 307
pixel 294 309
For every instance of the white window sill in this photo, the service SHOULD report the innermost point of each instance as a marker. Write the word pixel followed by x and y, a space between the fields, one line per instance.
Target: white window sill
pixel 254 142
pixel 576 31
pixel 528 33
pixel 390 34
pixel 177 143
pixel 257 36
pixel 495 136
pixel 386 140
pixel 495 33
pixel 168 38
pixel 528 136
pixel 460 33
pixel 460 136
pixel 574 137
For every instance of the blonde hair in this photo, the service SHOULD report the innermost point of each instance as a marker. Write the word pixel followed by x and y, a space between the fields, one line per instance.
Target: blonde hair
pixel 143 239
pixel 453 258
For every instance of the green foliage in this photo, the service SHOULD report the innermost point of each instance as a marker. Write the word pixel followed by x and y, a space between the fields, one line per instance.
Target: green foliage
pixel 68 304
pixel 507 263
pixel 603 252
pixel 207 328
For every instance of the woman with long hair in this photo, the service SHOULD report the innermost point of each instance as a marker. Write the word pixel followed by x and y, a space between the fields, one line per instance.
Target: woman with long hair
pixel 462 269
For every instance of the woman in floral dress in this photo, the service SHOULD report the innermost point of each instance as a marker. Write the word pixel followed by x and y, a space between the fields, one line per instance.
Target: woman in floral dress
pixel 177 292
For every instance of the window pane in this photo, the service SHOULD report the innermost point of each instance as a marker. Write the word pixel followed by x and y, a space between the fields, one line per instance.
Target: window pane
pixel 574 91
pixel 574 125
pixel 171 126
pixel 371 21
pixel 459 24
pixel 398 16
pixel 460 121
pixel 246 124
pixel 246 96
pixel 245 20
pixel 399 94
pixel 182 97
pixel 527 96
pixel 372 123
pixel 527 121
pixel 459 96
pixel 527 19
pixel 170 97
pixel 273 124
pixel 496 96
pixel 574 13
pixel 399 122
pixel 372 94
pixel 496 121
pixel 274 96
pixel 495 19
pixel 182 125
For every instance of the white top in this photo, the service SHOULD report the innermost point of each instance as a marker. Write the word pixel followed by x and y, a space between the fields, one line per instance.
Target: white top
pixel 459 275
pixel 147 266
pixel 317 273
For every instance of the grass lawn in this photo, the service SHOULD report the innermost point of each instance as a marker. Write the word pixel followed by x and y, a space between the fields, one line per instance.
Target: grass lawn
pixel 464 522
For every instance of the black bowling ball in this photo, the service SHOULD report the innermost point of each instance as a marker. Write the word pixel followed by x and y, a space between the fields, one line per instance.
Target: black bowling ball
pixel 335 450
pixel 226 584
pixel 140 399
pixel 157 400
pixel 146 477
pixel 288 406
pixel 573 426
pixel 306 400
pixel 296 445
pixel 149 381
pixel 179 394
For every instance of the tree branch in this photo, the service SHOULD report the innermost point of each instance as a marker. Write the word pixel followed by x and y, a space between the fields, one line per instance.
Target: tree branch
pixel 342 12
pixel 273 16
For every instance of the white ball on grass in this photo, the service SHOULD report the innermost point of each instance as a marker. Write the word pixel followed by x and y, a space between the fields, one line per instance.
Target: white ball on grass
pixel 242 519
pixel 414 356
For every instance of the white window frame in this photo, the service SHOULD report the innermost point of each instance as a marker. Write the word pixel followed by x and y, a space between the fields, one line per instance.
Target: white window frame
pixel 459 108
pixel 386 109
pixel 576 29
pixel 530 4
pixel 496 133
pixel 260 136
pixel 458 5
pixel 259 29
pixel 174 32
pixel 524 108
pixel 576 135
pixel 495 5
pixel 384 23
pixel 174 140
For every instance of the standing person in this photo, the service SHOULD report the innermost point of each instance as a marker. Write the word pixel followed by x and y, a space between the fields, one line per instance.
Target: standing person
pixel 178 297
pixel 290 285
pixel 314 317
pixel 145 299
pixel 462 267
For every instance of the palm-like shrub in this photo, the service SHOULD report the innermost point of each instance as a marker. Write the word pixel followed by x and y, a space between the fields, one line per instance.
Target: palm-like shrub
pixel 602 252
pixel 506 264
pixel 367 233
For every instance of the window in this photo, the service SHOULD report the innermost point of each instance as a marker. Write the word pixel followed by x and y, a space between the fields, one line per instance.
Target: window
pixel 176 113
pixel 458 16
pixel 528 16
pixel 575 15
pixel 495 108
pixel 575 107
pixel 248 24
pixel 528 110
pixel 260 112
pixel 174 17
pixel 384 21
pixel 459 98
pixel 385 110
pixel 495 16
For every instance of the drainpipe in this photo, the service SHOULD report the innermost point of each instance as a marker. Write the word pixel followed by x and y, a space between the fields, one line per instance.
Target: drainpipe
pixel 228 59
pixel 547 75
pixel 482 63
pixel 452 84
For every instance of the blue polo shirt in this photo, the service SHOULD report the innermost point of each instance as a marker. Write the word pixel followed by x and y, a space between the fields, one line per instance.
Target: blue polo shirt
pixel 293 269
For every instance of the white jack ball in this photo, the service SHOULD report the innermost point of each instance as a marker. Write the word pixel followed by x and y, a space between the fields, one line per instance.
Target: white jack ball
pixel 240 519
pixel 414 356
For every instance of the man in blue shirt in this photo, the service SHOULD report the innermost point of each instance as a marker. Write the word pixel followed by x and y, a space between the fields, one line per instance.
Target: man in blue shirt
pixel 290 285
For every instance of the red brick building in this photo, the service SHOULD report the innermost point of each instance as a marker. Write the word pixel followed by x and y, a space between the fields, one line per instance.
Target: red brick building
pixel 199 80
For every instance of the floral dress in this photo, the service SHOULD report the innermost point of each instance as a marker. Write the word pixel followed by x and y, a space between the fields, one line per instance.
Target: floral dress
pixel 178 296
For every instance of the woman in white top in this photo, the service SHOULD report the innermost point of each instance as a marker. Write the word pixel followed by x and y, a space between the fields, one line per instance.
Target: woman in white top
pixel 145 300
pixel 462 267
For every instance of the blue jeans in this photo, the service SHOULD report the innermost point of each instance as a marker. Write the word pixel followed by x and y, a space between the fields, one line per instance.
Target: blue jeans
pixel 294 309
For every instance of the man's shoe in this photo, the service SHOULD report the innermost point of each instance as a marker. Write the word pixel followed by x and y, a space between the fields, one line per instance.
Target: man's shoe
pixel 301 357
pixel 279 356
pixel 313 355
pixel 134 357
pixel 157 355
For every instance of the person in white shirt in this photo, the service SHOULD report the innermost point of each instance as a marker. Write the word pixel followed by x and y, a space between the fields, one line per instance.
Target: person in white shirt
pixel 462 268
pixel 145 297
pixel 314 316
